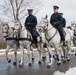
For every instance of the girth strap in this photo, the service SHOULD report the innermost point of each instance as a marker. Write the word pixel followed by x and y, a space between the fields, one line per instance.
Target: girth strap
pixel 51 37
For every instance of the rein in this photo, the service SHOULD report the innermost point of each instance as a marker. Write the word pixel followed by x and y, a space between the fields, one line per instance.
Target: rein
pixel 52 36
pixel 7 34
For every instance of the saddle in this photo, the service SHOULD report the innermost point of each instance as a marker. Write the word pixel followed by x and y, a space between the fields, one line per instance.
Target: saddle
pixel 29 36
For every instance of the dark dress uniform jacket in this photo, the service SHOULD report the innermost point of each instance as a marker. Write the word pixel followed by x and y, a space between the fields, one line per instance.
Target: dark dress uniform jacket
pixel 30 25
pixel 64 22
pixel 57 21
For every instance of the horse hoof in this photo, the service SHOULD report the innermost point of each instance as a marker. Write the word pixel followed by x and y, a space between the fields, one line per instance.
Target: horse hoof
pixel 39 62
pixel 30 64
pixel 43 58
pixel 15 63
pixel 53 56
pixel 64 61
pixel 48 66
pixel 75 54
pixel 68 59
pixel 20 66
pixel 20 61
pixel 62 56
pixel 58 63
pixel 33 59
pixel 9 61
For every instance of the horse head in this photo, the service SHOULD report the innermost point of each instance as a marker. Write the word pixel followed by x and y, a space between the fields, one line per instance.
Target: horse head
pixel 5 28
pixel 73 25
pixel 44 22
pixel 17 27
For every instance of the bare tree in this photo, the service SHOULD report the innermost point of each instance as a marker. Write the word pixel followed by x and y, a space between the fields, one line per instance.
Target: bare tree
pixel 16 9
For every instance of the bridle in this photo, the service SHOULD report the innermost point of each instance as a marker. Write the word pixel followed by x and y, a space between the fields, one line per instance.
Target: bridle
pixel 46 30
pixel 45 27
pixel 6 32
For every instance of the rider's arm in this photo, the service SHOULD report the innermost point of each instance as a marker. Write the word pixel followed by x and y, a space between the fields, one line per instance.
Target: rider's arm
pixel 51 22
pixel 34 22
pixel 60 19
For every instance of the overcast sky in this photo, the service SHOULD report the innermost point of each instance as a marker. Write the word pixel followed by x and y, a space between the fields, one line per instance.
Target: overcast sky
pixel 68 7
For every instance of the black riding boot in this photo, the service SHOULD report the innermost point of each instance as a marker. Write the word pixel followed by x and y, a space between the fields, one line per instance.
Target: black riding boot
pixel 64 43
pixel 35 41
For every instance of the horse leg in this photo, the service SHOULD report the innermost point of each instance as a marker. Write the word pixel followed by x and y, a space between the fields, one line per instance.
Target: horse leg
pixel 15 53
pixel 32 53
pixel 22 56
pixel 64 52
pixel 50 58
pixel 29 57
pixel 58 55
pixel 7 50
pixel 40 53
pixel 44 54
pixel 67 53
pixel 61 52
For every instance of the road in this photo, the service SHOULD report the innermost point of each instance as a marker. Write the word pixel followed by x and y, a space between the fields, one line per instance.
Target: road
pixel 35 69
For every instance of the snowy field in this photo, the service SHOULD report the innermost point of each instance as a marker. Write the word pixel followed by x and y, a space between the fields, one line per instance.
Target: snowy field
pixel 71 71
pixel 11 51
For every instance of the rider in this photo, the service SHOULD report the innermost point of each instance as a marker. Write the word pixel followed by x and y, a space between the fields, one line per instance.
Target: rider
pixel 30 24
pixel 64 20
pixel 56 20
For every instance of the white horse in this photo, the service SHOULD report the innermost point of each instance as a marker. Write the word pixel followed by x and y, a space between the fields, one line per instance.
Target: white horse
pixel 73 27
pixel 53 40
pixel 10 41
pixel 27 42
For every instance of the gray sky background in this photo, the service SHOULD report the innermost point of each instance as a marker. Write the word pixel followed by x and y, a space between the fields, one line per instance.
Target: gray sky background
pixel 68 7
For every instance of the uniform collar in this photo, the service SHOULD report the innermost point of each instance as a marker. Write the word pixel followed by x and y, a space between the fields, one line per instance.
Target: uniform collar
pixel 56 13
pixel 30 15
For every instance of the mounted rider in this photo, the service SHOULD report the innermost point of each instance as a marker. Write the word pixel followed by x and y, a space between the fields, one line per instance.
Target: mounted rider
pixel 64 20
pixel 30 24
pixel 57 21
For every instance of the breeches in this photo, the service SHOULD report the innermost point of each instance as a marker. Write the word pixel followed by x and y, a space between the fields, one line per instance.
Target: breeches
pixel 60 29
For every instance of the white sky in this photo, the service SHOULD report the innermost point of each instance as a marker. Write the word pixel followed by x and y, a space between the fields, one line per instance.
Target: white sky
pixel 68 7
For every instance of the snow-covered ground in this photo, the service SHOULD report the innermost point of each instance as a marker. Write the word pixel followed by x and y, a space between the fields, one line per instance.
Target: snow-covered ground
pixel 71 71
pixel 11 51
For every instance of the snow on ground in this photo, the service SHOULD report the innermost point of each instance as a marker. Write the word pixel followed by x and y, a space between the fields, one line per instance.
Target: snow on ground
pixel 11 51
pixel 71 71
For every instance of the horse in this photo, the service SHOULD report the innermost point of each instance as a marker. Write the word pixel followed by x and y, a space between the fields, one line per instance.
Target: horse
pixel 10 41
pixel 53 39
pixel 25 41
pixel 73 27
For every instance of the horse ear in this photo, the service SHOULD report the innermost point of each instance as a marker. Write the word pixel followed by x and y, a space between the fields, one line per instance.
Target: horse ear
pixel 46 16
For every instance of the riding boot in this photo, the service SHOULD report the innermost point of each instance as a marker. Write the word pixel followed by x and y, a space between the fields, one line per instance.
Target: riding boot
pixel 64 43
pixel 36 44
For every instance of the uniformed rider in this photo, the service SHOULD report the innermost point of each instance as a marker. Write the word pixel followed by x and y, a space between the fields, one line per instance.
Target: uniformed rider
pixel 57 21
pixel 30 24
pixel 64 20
